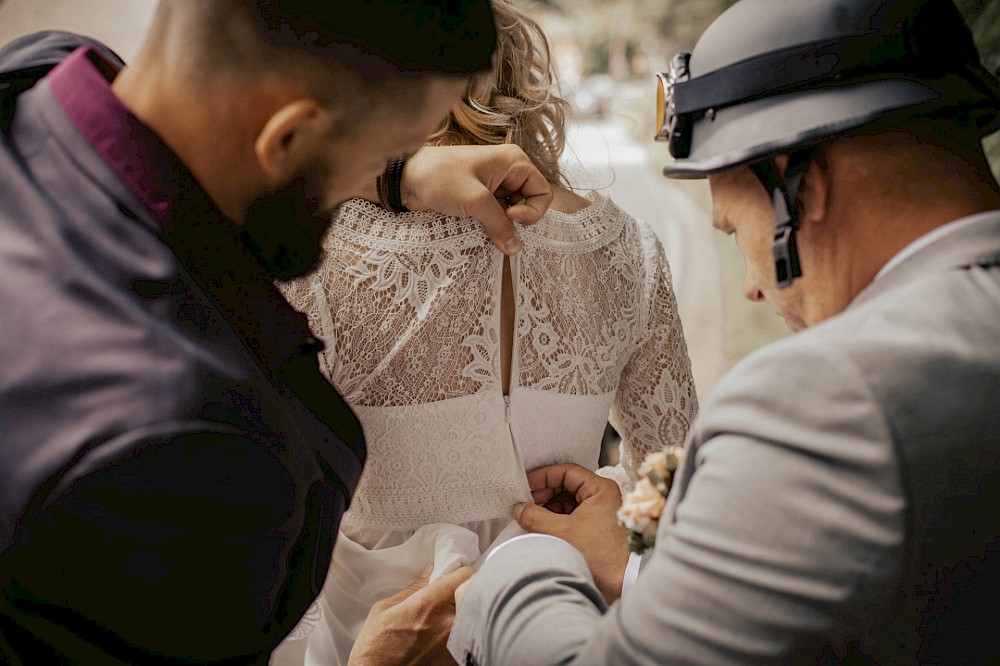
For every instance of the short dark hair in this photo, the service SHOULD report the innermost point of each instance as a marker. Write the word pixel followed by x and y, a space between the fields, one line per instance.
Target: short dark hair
pixel 375 38
pixel 444 36
pixel 370 50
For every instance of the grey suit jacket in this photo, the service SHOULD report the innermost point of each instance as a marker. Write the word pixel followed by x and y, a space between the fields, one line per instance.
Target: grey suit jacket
pixel 840 501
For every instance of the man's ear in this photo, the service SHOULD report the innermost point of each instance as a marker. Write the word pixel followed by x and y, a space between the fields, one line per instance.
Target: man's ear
pixel 814 193
pixel 289 139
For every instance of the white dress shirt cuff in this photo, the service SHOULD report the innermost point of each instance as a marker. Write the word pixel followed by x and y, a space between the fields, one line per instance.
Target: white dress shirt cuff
pixel 631 572
pixel 520 537
pixel 631 569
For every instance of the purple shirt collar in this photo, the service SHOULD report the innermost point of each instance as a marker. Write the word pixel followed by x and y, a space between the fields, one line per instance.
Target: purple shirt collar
pixel 198 233
pixel 82 85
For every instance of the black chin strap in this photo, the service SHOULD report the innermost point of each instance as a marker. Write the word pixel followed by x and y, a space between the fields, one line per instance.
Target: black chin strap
pixel 785 200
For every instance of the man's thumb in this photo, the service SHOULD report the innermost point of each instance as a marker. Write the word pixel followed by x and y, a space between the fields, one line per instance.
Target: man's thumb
pixel 533 518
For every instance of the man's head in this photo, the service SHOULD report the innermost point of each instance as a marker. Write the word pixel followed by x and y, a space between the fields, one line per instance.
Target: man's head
pixel 862 199
pixel 786 95
pixel 285 108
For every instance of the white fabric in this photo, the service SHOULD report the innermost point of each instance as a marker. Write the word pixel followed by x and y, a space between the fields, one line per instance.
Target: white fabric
pixel 631 568
pixel 409 308
pixel 934 236
pixel 631 572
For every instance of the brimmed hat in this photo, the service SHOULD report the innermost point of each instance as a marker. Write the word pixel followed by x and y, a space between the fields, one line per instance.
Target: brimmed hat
pixel 769 76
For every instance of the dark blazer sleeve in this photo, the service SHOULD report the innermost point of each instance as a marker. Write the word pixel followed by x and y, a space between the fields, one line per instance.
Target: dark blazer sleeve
pixel 183 547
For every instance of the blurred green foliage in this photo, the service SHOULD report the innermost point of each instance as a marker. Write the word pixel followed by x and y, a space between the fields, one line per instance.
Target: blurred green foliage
pixel 983 17
pixel 656 30
pixel 663 27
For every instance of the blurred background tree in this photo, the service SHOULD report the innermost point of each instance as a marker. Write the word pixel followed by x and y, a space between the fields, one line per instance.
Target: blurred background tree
pixel 983 17
pixel 611 29
pixel 625 37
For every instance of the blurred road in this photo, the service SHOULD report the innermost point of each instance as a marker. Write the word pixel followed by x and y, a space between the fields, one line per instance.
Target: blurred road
pixel 602 155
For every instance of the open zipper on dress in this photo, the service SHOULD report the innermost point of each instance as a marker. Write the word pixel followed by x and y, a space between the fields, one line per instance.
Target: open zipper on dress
pixel 512 377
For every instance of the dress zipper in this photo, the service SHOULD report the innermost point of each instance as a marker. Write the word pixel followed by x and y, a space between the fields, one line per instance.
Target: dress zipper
pixel 514 274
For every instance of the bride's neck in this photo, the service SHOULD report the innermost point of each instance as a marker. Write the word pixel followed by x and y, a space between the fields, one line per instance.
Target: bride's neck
pixel 567 201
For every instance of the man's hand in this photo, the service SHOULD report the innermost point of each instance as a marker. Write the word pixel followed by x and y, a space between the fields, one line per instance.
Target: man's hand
pixel 592 527
pixel 412 626
pixel 497 185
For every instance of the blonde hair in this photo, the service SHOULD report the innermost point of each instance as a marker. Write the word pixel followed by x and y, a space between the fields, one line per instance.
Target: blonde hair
pixel 516 102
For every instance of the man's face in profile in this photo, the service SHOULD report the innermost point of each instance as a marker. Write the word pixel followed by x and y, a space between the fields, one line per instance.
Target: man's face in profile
pixel 284 230
pixel 740 207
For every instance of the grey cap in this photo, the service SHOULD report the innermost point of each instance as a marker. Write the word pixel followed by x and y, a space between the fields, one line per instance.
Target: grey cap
pixel 791 74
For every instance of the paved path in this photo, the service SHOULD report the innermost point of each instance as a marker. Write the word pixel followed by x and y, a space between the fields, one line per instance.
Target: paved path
pixel 604 156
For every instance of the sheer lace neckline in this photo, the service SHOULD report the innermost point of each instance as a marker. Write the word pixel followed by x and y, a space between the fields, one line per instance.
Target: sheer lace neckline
pixel 594 223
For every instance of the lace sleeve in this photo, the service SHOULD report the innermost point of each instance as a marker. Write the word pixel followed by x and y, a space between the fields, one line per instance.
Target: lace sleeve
pixel 656 400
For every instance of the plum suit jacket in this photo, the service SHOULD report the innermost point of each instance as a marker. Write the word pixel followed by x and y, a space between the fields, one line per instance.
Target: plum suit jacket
pixel 173 466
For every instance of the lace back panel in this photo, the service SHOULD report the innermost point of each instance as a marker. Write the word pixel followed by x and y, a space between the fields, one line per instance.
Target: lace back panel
pixel 408 307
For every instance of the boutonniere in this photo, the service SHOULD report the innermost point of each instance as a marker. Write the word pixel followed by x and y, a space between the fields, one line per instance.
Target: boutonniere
pixel 642 506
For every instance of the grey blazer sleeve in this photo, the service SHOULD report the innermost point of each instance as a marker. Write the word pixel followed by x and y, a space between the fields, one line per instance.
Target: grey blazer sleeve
pixel 549 565
pixel 785 531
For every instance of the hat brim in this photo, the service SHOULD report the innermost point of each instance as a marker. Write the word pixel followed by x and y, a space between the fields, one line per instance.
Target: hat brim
pixel 748 132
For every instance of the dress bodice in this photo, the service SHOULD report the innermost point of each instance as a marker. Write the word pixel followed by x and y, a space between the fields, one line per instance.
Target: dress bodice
pixel 409 308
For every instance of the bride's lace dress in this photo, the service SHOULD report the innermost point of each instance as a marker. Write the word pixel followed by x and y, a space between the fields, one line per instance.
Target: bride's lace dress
pixel 409 308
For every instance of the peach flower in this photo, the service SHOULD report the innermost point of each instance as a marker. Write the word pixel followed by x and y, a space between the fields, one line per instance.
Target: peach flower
pixel 641 508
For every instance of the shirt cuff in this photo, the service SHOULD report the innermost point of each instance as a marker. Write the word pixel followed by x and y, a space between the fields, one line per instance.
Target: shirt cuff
pixel 631 572
pixel 520 537
pixel 631 569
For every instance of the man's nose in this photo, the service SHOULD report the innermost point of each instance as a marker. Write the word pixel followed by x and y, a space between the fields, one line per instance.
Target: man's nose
pixel 751 291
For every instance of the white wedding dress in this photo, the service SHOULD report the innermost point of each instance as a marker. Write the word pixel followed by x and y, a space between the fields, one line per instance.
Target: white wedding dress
pixel 409 308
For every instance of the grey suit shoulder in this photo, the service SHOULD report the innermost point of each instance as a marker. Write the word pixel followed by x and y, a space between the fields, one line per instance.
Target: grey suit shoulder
pixel 838 503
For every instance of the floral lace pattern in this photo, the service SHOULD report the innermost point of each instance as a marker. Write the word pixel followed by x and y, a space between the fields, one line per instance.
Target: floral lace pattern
pixel 457 465
pixel 409 308
pixel 313 616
